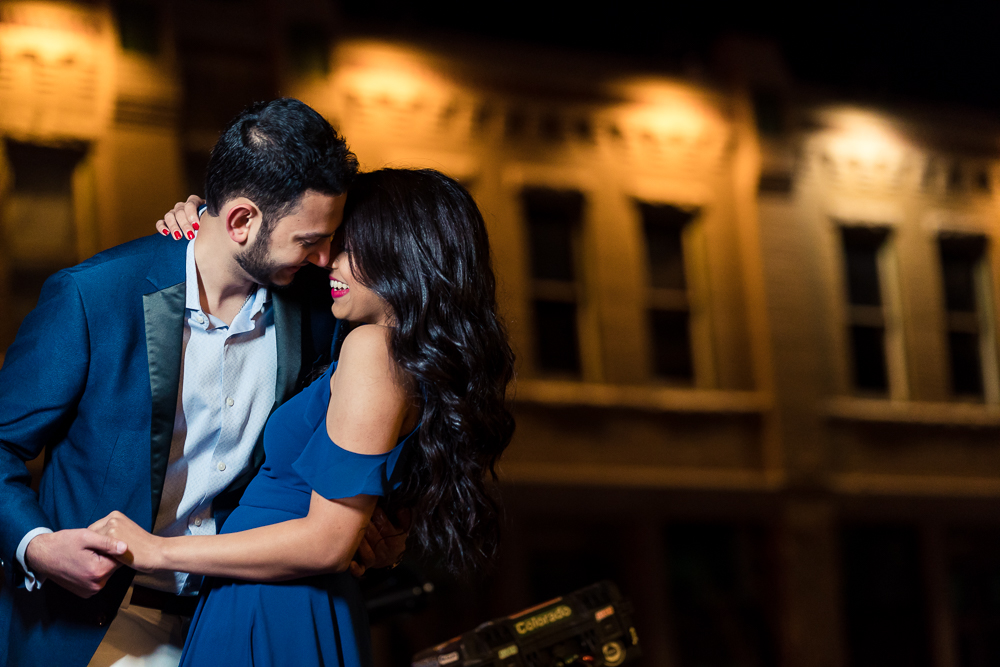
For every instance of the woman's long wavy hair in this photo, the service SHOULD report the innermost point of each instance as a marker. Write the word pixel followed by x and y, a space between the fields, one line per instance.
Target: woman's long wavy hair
pixel 417 239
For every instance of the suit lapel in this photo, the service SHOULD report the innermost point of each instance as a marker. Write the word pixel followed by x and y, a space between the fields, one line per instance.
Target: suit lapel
pixel 164 314
pixel 288 338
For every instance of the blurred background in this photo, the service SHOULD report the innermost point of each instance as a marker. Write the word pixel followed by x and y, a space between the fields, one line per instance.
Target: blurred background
pixel 747 259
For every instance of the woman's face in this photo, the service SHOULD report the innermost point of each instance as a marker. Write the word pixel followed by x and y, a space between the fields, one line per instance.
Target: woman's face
pixel 352 301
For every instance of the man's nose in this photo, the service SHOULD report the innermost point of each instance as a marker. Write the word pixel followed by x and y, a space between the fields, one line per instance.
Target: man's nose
pixel 321 255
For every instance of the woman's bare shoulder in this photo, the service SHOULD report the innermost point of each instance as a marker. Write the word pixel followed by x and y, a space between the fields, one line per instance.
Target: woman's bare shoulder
pixel 366 351
pixel 368 399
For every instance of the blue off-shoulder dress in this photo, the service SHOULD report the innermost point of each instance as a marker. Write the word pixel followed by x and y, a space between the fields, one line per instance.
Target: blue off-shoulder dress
pixel 318 620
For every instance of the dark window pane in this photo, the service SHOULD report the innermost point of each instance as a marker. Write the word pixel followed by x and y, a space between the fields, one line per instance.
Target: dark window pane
pixel 138 28
pixel 868 350
pixel 966 369
pixel 666 259
pixel 720 595
pixel 983 180
pixel 671 344
pixel 954 178
pixel 308 49
pixel 884 601
pixel 41 170
pixel 861 245
pixel 768 111
pixel 974 573
pixel 959 256
pixel 555 327
pixel 663 225
pixel 553 218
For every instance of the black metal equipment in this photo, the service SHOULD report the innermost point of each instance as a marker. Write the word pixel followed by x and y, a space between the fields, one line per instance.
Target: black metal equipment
pixel 390 592
pixel 591 627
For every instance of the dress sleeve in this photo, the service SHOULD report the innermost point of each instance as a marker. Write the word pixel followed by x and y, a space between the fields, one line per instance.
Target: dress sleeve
pixel 334 472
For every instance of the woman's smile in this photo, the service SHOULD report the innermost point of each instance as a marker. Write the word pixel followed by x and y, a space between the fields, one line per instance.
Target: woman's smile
pixel 337 288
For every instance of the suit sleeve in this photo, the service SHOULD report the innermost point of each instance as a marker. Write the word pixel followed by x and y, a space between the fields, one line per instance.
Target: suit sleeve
pixel 43 377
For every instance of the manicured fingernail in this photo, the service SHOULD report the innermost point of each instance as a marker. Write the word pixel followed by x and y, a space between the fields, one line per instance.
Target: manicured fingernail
pixel 190 235
pixel 177 235
pixel 195 225
pixel 165 232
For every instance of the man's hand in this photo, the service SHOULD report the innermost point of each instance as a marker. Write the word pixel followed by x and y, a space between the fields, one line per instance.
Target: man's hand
pixel 79 560
pixel 383 544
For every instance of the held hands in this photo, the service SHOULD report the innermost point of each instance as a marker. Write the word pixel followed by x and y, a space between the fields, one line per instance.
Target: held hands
pixel 181 222
pixel 79 560
pixel 142 552
pixel 383 544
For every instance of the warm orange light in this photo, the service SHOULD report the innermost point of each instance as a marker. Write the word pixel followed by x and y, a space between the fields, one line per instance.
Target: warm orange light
pixel 57 66
pixel 381 72
pixel 52 31
pixel 669 109
pixel 862 137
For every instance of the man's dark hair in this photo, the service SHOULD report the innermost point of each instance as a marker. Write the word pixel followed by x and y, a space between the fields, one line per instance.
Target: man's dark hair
pixel 271 154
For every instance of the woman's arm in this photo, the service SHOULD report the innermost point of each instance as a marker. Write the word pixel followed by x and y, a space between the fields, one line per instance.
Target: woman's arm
pixel 323 541
pixel 369 405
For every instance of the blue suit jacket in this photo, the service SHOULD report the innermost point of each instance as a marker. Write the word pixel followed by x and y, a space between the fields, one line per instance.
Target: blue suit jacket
pixel 92 377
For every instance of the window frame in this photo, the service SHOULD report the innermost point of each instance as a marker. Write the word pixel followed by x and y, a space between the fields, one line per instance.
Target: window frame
pixel 982 322
pixel 890 315
pixel 587 317
pixel 693 299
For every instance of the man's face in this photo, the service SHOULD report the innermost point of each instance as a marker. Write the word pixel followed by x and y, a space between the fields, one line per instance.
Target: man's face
pixel 303 236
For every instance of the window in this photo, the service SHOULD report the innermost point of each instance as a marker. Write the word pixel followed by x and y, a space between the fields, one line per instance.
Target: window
pixel 554 219
pixel 873 327
pixel 973 562
pixel 721 594
pixel 669 306
pixel 884 604
pixel 37 224
pixel 138 26
pixel 308 49
pixel 966 303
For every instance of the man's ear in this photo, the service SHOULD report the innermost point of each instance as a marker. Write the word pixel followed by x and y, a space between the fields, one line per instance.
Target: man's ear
pixel 240 221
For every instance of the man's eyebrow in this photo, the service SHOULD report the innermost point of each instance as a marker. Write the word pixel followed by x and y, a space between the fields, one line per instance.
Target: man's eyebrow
pixel 313 236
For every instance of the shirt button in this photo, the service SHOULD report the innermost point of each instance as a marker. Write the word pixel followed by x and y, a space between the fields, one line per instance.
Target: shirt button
pixel 229 402
pixel 221 466
pixel 200 318
pixel 197 522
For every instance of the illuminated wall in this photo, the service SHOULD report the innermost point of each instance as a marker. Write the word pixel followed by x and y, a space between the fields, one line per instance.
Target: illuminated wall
pixel 783 308
pixel 86 124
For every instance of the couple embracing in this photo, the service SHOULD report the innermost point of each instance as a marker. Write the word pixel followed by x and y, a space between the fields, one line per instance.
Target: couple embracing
pixel 148 372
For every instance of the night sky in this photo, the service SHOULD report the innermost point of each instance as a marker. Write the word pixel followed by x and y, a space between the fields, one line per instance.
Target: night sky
pixel 887 52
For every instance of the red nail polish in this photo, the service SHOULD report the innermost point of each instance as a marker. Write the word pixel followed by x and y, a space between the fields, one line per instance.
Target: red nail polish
pixel 177 235
pixel 195 225
pixel 190 235
pixel 165 232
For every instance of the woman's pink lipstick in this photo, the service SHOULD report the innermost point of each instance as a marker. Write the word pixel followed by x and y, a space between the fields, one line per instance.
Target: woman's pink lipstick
pixel 336 289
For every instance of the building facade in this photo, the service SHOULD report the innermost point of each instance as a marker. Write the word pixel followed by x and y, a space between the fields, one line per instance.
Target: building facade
pixel 756 325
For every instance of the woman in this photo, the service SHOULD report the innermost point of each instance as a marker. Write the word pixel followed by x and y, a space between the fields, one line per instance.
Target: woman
pixel 414 407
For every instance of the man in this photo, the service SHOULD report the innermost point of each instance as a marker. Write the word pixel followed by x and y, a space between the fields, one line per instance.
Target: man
pixel 147 373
